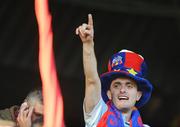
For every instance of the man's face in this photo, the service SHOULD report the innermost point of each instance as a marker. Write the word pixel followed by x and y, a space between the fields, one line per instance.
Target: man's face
pixel 38 111
pixel 124 93
pixel 30 111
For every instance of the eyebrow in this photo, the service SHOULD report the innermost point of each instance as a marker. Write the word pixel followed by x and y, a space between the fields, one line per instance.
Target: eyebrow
pixel 128 82
pixel 38 114
pixel 116 82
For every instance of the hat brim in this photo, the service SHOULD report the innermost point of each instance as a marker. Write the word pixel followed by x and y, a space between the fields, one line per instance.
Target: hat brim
pixel 143 85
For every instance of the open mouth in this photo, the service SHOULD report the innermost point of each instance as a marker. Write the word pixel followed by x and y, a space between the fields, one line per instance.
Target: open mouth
pixel 123 98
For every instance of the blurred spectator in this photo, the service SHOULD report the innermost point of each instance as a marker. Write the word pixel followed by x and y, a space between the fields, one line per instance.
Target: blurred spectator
pixel 30 110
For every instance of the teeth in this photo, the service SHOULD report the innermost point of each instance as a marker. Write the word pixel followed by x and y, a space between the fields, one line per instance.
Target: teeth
pixel 123 98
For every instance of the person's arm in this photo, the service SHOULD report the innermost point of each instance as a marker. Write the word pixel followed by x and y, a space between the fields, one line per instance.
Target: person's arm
pixel 53 101
pixel 93 84
pixel 7 123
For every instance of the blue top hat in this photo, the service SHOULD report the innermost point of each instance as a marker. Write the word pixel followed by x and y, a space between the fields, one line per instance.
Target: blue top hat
pixel 129 64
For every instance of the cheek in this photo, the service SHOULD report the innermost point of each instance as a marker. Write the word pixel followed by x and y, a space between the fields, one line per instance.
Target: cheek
pixel 115 94
pixel 134 96
pixel 36 117
pixel 33 117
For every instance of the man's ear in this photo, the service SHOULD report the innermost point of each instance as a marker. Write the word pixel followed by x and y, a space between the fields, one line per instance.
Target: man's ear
pixel 109 94
pixel 139 94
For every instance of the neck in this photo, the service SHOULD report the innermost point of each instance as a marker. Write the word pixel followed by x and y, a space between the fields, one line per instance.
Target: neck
pixel 127 114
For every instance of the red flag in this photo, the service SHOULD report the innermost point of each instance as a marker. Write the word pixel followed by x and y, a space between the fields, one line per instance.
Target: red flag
pixel 53 101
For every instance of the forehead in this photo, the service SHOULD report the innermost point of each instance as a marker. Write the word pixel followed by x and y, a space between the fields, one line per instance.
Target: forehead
pixel 38 106
pixel 33 101
pixel 124 80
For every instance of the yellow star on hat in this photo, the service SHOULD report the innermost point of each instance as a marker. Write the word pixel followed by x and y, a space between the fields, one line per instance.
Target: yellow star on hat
pixel 132 71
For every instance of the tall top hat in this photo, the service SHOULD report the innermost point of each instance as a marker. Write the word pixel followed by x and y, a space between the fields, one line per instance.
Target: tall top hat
pixel 129 64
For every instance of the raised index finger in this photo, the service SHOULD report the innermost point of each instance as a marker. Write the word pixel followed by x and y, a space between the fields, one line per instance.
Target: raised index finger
pixel 90 20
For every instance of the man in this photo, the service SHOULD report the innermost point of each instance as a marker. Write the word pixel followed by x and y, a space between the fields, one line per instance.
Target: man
pixel 30 110
pixel 113 99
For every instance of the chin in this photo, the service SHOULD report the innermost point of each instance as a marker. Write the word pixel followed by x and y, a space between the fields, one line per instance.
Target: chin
pixel 123 107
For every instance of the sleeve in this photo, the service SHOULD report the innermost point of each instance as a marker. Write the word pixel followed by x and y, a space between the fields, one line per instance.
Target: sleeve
pixel 9 113
pixel 92 118
pixel 5 114
pixel 145 125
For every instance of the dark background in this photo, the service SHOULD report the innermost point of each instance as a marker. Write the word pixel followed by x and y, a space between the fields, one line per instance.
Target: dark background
pixel 148 27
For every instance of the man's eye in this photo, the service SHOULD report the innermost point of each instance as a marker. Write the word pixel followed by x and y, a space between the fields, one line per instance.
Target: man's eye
pixel 130 86
pixel 116 85
pixel 38 114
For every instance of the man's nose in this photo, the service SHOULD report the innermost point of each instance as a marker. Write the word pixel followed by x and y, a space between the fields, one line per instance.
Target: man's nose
pixel 122 89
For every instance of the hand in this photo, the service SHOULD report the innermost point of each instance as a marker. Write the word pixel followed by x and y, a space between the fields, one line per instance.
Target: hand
pixel 24 116
pixel 86 31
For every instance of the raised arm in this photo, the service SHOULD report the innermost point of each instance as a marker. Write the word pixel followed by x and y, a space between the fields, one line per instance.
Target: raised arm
pixel 93 84
pixel 53 102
